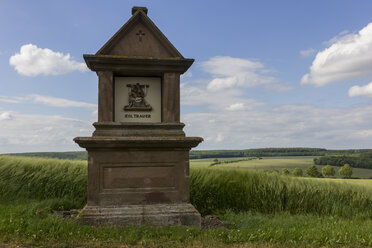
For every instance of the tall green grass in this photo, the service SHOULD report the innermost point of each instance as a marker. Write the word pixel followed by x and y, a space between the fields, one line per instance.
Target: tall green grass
pixel 212 190
pixel 40 178
pixel 216 190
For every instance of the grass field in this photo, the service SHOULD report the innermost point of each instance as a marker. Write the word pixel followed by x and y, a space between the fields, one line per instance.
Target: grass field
pixel 261 209
pixel 275 163
pixel 30 224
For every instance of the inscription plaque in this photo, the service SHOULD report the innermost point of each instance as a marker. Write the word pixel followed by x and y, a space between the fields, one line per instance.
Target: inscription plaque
pixel 137 99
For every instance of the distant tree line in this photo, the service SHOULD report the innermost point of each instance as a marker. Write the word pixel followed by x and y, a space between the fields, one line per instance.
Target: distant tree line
pixel 273 152
pixel 347 156
pixel 362 160
pixel 60 155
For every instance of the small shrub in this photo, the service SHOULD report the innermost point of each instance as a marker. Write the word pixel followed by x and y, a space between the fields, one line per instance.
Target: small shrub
pixel 275 171
pixel 345 171
pixel 297 172
pixel 312 171
pixel 285 172
pixel 328 171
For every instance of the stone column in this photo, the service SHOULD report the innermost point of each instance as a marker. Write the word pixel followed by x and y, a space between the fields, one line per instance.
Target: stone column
pixel 171 97
pixel 105 96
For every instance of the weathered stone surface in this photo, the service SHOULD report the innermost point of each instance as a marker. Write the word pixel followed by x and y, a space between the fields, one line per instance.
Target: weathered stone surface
pixel 171 97
pixel 137 8
pixel 105 96
pixel 136 142
pixel 181 214
pixel 136 66
pixel 140 37
pixel 118 129
pixel 138 172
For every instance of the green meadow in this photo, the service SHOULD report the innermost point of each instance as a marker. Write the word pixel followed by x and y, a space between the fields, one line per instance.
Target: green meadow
pixel 260 208
pixel 274 163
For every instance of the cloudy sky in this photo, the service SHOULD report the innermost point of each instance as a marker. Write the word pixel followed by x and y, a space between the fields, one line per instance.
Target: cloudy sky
pixel 266 73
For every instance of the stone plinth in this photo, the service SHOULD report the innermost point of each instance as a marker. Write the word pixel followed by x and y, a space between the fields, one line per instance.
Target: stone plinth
pixel 181 214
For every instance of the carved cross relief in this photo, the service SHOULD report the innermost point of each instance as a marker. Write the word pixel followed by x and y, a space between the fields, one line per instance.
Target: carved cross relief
pixel 140 34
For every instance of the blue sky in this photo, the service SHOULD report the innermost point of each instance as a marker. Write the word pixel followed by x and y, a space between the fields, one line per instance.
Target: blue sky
pixel 266 73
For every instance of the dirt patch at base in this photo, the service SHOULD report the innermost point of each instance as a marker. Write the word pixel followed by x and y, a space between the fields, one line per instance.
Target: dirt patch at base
pixel 211 221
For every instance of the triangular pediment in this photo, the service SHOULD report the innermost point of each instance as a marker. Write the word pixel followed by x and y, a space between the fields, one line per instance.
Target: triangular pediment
pixel 139 37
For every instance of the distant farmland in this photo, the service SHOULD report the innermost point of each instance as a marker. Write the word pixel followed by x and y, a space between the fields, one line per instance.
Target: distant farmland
pixel 275 163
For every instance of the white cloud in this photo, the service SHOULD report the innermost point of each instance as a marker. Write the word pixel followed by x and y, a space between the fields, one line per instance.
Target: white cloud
pixel 349 57
pixel 340 36
pixel 9 99
pixel 60 102
pixel 23 133
pixel 215 101
pixel 279 87
pixel 307 52
pixel 188 74
pixel 365 90
pixel 236 107
pixel 33 61
pixel 226 89
pixel 231 72
pixel 47 100
pixel 227 119
pixel 219 137
pixel 5 116
pixel 283 126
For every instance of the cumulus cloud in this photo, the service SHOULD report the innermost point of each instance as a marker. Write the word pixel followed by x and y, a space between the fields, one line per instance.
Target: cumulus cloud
pixel 219 137
pixel 6 116
pixel 307 52
pixel 33 61
pixel 342 35
pixel 60 102
pixel 21 133
pixel 225 90
pixel 279 87
pixel 348 57
pixel 228 119
pixel 47 100
pixel 229 72
pixel 283 126
pixel 8 99
pixel 188 74
pixel 236 107
pixel 216 101
pixel 365 90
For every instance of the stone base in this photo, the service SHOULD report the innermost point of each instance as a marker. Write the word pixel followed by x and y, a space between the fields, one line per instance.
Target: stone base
pixel 181 214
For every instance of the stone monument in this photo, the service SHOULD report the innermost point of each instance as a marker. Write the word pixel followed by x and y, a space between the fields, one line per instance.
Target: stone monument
pixel 138 155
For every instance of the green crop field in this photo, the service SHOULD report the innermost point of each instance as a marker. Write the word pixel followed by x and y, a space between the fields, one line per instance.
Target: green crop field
pixel 266 163
pixel 274 163
pixel 361 182
pixel 261 209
